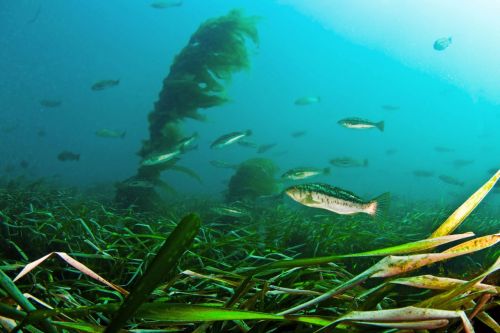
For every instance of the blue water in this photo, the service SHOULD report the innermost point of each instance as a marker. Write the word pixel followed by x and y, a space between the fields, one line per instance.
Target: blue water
pixel 57 49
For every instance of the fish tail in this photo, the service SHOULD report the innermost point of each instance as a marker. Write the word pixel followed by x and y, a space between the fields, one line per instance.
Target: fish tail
pixel 365 162
pixel 123 134
pixel 380 125
pixel 326 171
pixel 77 157
pixel 248 132
pixel 379 206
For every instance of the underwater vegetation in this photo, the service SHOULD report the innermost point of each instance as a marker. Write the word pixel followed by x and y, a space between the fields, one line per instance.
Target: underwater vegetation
pixel 254 178
pixel 80 266
pixel 196 81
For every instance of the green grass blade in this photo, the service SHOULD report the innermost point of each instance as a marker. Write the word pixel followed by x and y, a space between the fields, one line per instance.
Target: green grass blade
pixel 9 286
pixel 393 250
pixel 165 261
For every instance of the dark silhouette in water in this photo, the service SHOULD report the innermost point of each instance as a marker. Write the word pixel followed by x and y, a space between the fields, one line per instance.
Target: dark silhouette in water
pixel 216 50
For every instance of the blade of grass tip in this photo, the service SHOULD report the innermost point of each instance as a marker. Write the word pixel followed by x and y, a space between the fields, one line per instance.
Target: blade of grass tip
pixel 8 285
pixel 466 208
pixel 73 262
pixel 165 261
pixel 443 298
pixel 406 314
pixel 409 325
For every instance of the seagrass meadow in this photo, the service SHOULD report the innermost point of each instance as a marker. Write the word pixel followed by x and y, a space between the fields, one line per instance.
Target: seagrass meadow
pixel 285 166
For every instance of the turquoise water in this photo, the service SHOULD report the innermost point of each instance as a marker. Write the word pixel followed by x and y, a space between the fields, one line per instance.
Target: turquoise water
pixel 56 50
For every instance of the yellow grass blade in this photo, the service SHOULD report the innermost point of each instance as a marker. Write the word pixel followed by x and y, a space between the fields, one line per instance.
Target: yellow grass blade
pixel 466 208
pixel 394 265
pixel 441 283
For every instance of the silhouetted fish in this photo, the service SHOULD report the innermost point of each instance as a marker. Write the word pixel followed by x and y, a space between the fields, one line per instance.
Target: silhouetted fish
pixel 68 156
pixel 104 84
pixel 50 103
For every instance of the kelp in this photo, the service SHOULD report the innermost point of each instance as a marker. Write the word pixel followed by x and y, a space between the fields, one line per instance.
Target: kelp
pixel 196 80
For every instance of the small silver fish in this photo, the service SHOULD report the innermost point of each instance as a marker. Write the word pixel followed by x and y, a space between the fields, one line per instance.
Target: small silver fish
pixel 304 173
pixel 230 138
pixel 358 123
pixel 161 158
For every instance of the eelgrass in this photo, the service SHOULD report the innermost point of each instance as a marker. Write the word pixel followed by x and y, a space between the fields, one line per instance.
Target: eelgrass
pixel 247 273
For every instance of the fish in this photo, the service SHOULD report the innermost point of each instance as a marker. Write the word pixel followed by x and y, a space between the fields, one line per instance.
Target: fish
pixel 50 103
pixel 298 134
pixel 161 158
pixel 104 84
pixel 248 144
pixel 337 200
pixel 307 100
pixel 441 149
pixel 451 180
pixel 41 133
pixel 166 4
pixel 230 138
pixel 230 211
pixel 66 155
pixel 107 133
pixel 24 164
pixel 462 163
pixel 390 107
pixel 265 147
pixel 423 173
pixel 358 123
pixel 223 165
pixel 187 143
pixel 347 162
pixel 442 44
pixel 304 173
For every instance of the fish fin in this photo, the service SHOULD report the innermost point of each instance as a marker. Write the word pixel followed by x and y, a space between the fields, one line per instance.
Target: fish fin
pixel 319 98
pixel 326 171
pixel 117 82
pixel 123 134
pixel 365 162
pixel 450 39
pixel 380 205
pixel 77 157
pixel 380 125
